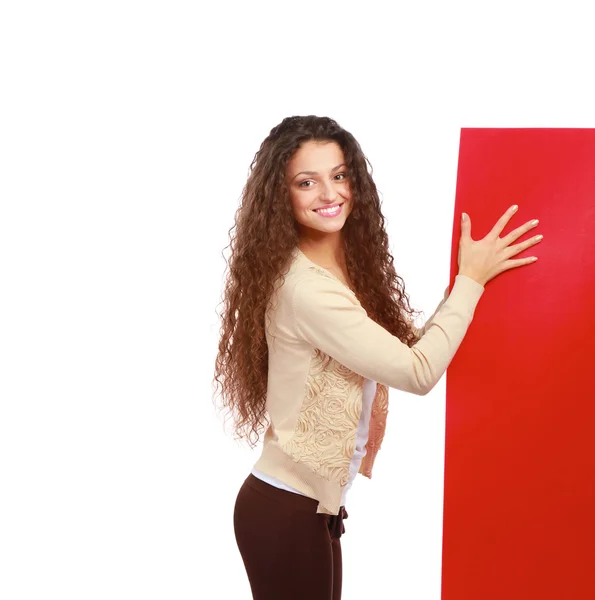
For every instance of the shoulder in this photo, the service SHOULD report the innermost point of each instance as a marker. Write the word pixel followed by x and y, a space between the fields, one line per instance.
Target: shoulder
pixel 309 281
pixel 319 298
pixel 308 288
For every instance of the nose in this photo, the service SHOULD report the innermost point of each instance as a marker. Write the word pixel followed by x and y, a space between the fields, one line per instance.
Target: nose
pixel 328 192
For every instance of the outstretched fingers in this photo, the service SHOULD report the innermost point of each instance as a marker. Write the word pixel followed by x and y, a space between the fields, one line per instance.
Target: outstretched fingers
pixel 514 250
pixel 518 232
pixel 502 222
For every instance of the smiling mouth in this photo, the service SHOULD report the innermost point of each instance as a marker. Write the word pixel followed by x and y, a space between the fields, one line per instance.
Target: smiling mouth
pixel 331 211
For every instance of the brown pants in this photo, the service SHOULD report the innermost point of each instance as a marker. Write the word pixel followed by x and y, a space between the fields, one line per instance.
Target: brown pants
pixel 290 551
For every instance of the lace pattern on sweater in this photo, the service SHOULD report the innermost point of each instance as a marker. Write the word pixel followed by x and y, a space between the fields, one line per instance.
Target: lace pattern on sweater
pixel 325 434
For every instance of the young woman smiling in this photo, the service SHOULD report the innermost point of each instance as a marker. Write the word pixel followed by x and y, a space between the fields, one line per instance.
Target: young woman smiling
pixel 316 327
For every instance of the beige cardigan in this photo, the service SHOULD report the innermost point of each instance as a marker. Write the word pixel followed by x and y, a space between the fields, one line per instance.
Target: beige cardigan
pixel 322 345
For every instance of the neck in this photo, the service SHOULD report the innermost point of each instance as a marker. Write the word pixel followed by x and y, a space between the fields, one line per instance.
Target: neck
pixel 328 250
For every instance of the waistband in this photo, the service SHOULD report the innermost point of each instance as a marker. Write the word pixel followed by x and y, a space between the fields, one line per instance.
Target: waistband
pixel 299 502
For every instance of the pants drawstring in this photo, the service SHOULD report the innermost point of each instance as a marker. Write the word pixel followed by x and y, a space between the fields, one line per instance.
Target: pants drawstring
pixel 335 525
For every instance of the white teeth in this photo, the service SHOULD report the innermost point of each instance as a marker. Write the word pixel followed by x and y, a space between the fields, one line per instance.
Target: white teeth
pixel 327 211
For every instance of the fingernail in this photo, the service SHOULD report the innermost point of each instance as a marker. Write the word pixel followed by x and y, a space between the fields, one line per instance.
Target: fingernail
pixel 535 222
pixel 464 217
pixel 515 208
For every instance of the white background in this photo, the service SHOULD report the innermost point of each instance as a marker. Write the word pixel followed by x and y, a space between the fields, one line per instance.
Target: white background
pixel 126 132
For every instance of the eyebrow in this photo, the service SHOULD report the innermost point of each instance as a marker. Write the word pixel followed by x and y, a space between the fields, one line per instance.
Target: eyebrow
pixel 316 173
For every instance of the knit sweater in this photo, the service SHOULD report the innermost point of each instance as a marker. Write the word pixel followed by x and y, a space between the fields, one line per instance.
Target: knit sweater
pixel 363 427
pixel 322 347
pixel 369 393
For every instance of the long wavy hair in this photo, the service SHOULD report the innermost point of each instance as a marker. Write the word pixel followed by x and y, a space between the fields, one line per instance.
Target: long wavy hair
pixel 266 234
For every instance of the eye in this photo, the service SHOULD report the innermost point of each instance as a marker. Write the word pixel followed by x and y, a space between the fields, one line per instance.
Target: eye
pixel 344 175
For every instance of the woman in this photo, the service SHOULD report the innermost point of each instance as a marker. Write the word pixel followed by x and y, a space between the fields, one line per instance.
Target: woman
pixel 321 328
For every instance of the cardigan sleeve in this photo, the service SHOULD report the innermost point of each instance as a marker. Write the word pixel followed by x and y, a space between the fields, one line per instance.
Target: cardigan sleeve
pixel 328 316
pixel 419 331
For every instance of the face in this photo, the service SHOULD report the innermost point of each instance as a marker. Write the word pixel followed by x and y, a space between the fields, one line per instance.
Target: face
pixel 317 177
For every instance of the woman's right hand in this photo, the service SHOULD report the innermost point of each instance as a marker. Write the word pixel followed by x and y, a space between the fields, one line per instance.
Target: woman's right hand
pixel 486 258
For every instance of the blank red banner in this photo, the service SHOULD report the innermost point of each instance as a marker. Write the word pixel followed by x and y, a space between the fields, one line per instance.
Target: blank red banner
pixel 519 496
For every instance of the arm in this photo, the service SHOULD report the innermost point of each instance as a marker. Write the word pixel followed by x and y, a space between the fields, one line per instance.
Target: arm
pixel 329 317
pixel 420 332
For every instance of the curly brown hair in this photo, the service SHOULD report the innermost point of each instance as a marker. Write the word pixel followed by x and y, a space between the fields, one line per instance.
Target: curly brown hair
pixel 266 235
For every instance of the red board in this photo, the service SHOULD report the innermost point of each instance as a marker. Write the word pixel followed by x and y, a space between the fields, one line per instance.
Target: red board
pixel 519 496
